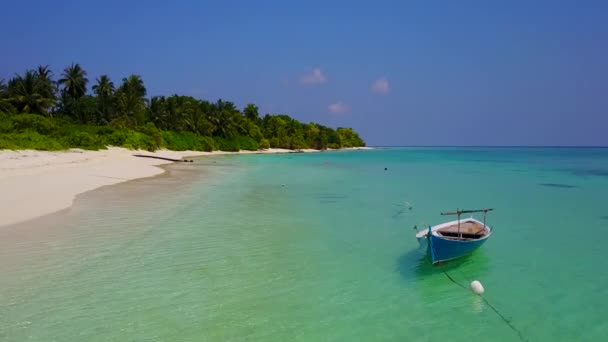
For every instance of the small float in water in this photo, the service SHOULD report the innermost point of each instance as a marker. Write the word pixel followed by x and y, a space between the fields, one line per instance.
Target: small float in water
pixel 454 239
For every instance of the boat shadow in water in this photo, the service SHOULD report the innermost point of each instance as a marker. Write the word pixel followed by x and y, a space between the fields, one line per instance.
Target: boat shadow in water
pixel 415 264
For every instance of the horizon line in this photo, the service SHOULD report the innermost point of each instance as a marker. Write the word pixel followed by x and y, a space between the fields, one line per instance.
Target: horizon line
pixel 499 146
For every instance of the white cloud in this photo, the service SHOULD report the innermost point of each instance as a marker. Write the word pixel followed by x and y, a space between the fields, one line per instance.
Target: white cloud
pixel 314 77
pixel 338 108
pixel 380 86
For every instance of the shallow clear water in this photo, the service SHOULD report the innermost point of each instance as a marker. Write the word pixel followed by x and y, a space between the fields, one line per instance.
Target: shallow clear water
pixel 314 247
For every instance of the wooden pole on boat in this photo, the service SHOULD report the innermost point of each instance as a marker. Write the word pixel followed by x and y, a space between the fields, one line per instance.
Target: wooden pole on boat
pixel 484 217
pixel 459 235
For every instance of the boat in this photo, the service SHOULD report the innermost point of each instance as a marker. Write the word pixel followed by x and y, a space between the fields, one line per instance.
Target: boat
pixel 454 239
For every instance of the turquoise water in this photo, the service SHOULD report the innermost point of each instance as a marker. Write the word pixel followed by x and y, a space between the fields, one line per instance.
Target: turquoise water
pixel 318 247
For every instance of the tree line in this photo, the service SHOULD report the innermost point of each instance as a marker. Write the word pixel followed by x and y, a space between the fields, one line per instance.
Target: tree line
pixel 124 108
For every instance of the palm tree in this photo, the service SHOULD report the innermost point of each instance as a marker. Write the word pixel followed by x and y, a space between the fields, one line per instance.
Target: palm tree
pixel 46 77
pixel 28 93
pixel 74 81
pixel 5 105
pixel 157 112
pixel 191 116
pixel 225 106
pixel 130 98
pixel 44 72
pixel 251 113
pixel 134 85
pixel 104 89
pixel 225 119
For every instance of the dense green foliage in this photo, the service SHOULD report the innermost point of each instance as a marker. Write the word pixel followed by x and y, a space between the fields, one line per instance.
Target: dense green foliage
pixel 40 113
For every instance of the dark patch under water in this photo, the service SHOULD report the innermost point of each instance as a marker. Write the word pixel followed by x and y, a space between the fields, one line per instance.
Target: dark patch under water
pixel 592 172
pixel 559 185
pixel 331 198
pixel 605 217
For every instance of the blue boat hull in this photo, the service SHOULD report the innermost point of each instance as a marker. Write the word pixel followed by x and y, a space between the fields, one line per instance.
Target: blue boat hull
pixel 447 249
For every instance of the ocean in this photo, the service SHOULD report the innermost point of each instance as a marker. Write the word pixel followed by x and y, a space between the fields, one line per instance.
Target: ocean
pixel 319 247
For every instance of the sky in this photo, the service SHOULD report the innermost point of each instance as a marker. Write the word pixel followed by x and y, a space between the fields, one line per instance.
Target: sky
pixel 398 72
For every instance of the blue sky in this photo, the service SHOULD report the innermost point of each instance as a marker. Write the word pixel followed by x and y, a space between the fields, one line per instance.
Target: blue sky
pixel 399 72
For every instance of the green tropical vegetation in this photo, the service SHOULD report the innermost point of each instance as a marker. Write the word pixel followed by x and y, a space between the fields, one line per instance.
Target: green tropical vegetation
pixel 39 112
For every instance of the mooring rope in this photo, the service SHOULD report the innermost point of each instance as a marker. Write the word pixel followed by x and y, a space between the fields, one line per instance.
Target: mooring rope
pixel 521 336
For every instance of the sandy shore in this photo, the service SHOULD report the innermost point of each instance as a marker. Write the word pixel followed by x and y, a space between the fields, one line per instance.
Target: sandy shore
pixel 36 183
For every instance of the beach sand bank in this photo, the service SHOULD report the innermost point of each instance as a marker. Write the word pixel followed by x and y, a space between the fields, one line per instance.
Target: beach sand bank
pixel 37 183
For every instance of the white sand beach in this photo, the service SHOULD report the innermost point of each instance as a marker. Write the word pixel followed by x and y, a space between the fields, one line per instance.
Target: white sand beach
pixel 36 183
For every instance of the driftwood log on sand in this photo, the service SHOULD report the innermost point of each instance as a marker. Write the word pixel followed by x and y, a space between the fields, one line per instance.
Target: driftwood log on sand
pixel 163 158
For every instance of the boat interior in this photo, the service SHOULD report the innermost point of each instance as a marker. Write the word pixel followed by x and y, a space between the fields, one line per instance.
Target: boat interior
pixel 469 230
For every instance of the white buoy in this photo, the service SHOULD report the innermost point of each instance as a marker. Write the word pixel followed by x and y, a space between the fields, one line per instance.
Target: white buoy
pixel 476 287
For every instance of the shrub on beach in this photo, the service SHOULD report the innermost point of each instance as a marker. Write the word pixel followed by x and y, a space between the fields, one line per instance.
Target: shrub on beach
pixel 129 139
pixel 8 142
pixel 228 145
pixel 6 124
pixel 140 141
pixel 116 138
pixel 236 144
pixel 83 140
pixel 105 130
pixel 207 144
pixel 29 140
pixel 280 142
pixel 33 122
pixel 264 144
pixel 150 130
pixel 182 141
pixel 61 133
pixel 297 143
pixel 246 143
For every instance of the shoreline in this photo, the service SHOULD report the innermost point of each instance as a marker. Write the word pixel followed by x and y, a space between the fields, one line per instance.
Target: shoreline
pixel 38 183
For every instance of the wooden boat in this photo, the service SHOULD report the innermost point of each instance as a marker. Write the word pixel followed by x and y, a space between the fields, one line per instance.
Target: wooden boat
pixel 454 239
